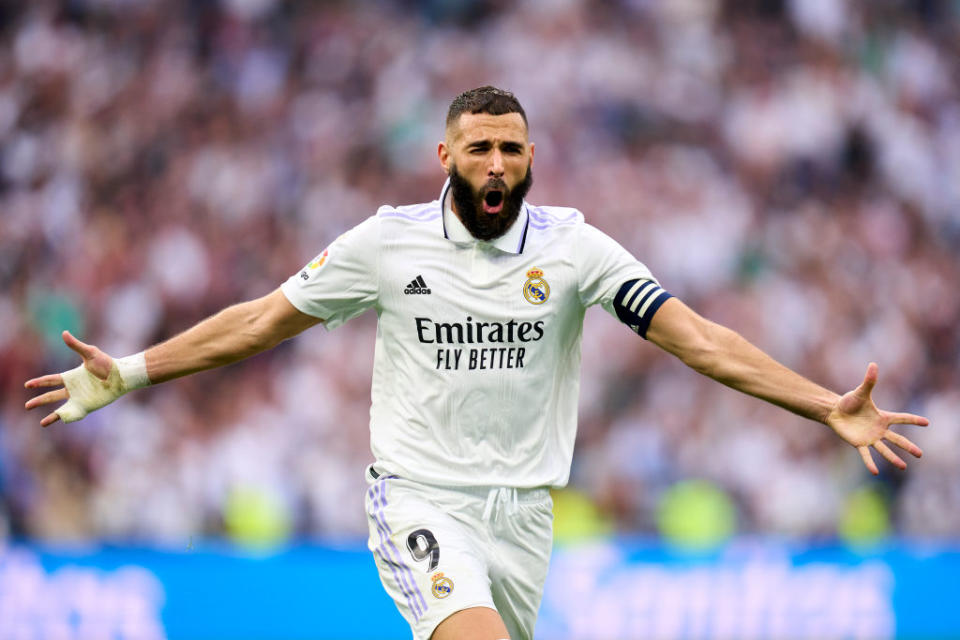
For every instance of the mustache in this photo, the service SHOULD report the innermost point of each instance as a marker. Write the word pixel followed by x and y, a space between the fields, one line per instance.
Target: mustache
pixel 469 203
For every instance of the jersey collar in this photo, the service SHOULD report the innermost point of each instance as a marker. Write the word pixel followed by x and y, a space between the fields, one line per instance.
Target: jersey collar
pixel 512 241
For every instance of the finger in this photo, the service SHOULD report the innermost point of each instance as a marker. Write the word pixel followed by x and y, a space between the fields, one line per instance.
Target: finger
pixel 891 457
pixel 84 349
pixel 869 379
pixel 49 420
pixel 47 398
pixel 868 461
pixel 52 380
pixel 908 418
pixel 903 443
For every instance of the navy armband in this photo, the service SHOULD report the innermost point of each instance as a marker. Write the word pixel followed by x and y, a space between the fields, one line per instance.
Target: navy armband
pixel 637 302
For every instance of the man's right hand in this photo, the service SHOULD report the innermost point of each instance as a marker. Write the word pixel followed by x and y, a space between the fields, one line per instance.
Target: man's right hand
pixel 92 385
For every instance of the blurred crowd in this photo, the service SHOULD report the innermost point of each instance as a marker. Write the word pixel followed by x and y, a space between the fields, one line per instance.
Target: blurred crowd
pixel 788 168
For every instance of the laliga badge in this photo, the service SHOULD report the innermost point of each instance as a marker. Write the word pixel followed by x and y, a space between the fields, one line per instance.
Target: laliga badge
pixel 535 289
pixel 319 260
pixel 442 586
pixel 315 264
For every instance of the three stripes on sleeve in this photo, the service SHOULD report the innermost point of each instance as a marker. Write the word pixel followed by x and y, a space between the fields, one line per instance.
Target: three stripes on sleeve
pixel 637 301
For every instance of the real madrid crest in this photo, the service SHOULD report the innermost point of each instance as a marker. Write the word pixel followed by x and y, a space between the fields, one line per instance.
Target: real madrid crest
pixel 442 585
pixel 535 289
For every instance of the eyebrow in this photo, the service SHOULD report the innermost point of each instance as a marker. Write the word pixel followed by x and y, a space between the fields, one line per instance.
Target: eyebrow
pixel 507 144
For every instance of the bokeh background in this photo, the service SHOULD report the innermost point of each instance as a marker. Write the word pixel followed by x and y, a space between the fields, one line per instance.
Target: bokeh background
pixel 788 168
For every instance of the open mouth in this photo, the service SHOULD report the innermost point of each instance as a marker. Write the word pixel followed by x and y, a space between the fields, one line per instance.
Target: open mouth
pixel 493 202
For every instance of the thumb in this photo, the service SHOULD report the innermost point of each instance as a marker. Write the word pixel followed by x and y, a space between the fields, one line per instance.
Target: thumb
pixel 854 400
pixel 85 350
pixel 869 381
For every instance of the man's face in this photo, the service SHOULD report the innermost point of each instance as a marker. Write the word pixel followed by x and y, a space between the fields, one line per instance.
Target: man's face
pixel 489 160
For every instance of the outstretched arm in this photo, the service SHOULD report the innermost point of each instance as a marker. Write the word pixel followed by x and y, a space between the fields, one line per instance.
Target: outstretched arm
pixel 727 357
pixel 233 334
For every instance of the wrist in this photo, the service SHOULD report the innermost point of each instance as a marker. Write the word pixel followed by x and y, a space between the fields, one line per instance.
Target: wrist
pixel 133 371
pixel 828 408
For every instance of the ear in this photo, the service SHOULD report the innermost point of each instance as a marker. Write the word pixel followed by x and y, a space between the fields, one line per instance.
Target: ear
pixel 444 154
pixel 532 149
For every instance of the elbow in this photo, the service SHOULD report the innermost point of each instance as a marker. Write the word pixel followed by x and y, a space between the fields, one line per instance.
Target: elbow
pixel 704 351
pixel 702 360
pixel 269 321
pixel 251 334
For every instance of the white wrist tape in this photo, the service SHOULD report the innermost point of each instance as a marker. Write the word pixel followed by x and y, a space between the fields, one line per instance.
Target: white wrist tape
pixel 89 393
pixel 133 371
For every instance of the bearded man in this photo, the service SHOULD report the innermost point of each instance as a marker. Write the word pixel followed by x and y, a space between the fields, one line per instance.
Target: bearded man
pixel 480 297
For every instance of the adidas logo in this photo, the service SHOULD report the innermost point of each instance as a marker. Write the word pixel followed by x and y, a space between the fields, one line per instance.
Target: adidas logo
pixel 417 286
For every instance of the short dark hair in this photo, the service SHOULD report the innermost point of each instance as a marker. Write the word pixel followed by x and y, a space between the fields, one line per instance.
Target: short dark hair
pixel 496 102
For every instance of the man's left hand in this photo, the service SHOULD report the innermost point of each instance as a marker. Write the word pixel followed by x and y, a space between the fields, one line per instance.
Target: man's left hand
pixel 857 420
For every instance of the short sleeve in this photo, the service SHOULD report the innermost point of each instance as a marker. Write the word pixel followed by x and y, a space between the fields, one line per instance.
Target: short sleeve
pixel 604 266
pixel 610 276
pixel 343 281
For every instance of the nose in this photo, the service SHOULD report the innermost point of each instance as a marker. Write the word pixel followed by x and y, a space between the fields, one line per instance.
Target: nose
pixel 496 164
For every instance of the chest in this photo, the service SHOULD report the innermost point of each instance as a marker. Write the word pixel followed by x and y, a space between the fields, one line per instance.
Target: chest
pixel 518 294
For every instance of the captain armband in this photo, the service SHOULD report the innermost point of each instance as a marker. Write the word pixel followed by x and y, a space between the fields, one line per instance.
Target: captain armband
pixel 637 301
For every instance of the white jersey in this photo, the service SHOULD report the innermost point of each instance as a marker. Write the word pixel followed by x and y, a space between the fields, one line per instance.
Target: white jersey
pixel 477 365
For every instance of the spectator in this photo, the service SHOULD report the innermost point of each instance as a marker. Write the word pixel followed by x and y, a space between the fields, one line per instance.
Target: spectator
pixel 168 160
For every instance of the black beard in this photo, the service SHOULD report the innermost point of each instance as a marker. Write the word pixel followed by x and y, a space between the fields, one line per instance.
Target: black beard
pixel 469 204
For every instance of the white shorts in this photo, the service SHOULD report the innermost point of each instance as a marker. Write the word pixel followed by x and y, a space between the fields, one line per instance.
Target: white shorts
pixel 440 550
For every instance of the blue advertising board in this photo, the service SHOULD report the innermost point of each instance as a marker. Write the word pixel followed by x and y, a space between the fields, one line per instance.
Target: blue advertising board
pixel 753 589
pixel 625 589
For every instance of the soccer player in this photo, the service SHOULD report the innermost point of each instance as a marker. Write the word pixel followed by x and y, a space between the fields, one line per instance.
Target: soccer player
pixel 480 298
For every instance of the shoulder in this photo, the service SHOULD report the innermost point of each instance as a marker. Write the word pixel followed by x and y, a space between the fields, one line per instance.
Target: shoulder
pixel 409 213
pixel 564 229
pixel 545 218
pixel 409 225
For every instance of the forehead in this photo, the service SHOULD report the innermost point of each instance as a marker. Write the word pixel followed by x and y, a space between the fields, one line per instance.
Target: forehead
pixel 472 127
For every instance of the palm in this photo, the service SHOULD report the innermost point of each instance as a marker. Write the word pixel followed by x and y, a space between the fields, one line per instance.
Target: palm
pixel 96 361
pixel 860 423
